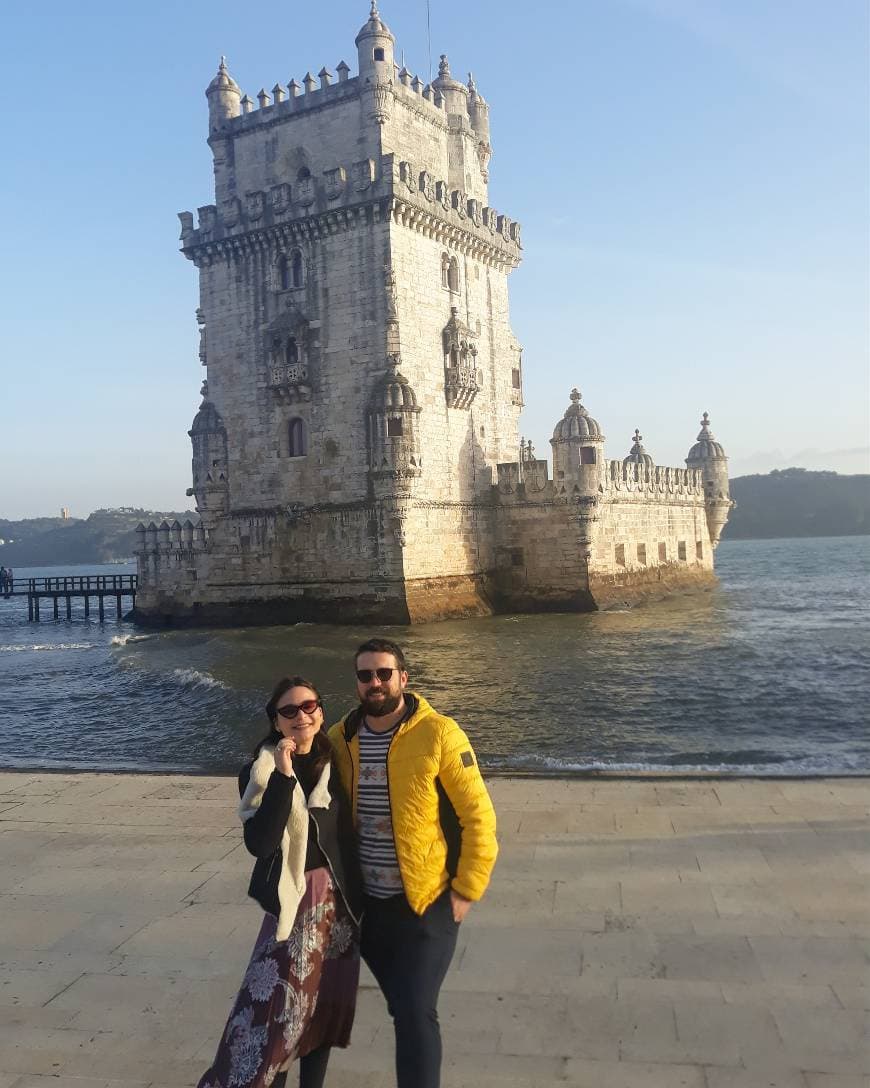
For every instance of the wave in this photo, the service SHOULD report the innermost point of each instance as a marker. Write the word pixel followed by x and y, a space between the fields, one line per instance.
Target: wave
pixel 122 640
pixel 198 679
pixel 796 768
pixel 47 646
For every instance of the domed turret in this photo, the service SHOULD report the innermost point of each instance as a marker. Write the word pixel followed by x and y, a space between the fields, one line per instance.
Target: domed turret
pixel 706 447
pixel 708 455
pixel 455 93
pixel 224 98
pixel 578 448
pixel 374 45
pixel 208 437
pixel 577 423
pixel 638 455
pixel 394 445
pixel 206 421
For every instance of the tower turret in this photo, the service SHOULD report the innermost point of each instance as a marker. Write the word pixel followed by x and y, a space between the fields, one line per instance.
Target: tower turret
pixel 637 454
pixel 224 98
pixel 374 45
pixel 208 437
pixel 478 113
pixel 455 93
pixel 578 450
pixel 708 455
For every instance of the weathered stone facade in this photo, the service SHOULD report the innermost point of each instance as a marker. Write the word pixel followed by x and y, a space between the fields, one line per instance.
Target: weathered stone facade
pixel 355 456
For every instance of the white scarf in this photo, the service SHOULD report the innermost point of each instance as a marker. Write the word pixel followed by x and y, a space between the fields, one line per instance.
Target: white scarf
pixel 294 838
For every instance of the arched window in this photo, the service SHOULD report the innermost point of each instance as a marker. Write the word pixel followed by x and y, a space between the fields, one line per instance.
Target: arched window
pixel 298 436
pixel 303 174
pixel 284 273
pixel 453 275
pixel 445 270
pixel 292 353
pixel 297 273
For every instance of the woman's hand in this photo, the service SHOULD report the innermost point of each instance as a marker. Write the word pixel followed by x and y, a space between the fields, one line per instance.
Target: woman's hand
pixel 284 755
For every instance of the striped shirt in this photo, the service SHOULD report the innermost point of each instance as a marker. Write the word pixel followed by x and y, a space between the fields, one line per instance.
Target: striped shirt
pixel 377 847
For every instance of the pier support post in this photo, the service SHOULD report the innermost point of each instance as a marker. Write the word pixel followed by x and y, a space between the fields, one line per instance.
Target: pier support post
pixel 30 607
pixel 69 606
pixel 118 604
pixel 36 608
pixel 87 606
pixel 101 608
pixel 54 601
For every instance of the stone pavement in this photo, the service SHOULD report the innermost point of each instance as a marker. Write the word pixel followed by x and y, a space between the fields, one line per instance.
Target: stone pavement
pixel 644 933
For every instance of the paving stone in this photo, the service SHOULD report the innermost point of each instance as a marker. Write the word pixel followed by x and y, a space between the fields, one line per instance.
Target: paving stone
pixel 612 968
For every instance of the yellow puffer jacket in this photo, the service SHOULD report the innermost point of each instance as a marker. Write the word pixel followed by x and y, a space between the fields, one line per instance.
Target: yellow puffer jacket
pixel 428 746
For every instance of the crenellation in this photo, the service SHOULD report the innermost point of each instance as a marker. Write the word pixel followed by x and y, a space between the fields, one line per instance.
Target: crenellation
pixel 356 453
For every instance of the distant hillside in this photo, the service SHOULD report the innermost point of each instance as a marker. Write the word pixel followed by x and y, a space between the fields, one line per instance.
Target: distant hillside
pixel 104 536
pixel 797 502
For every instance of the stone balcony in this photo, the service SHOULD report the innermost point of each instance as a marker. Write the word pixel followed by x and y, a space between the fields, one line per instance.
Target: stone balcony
pixel 290 383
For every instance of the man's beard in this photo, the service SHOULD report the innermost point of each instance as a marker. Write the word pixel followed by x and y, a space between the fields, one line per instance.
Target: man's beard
pixel 380 708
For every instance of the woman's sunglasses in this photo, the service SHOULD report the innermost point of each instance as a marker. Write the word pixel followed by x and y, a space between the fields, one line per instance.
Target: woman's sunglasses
pixel 290 710
pixel 364 675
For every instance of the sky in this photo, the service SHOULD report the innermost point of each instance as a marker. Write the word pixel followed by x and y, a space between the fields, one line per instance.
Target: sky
pixel 691 177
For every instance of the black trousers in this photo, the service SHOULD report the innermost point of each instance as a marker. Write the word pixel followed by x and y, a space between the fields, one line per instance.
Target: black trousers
pixel 312 1070
pixel 409 955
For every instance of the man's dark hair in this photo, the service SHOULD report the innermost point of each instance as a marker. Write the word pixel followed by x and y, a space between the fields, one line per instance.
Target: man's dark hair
pixel 382 646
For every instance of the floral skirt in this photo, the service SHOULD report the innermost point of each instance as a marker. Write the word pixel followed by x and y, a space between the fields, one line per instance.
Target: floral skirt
pixel 297 995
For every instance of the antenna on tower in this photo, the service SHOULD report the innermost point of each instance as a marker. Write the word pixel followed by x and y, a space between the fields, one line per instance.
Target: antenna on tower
pixel 429 38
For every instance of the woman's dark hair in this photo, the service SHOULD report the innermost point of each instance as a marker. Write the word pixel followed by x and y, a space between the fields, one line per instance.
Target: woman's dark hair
pixel 321 749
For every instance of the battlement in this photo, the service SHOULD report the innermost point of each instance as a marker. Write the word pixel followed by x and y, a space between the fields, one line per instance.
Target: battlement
pixel 419 200
pixel 175 539
pixel 295 98
pixel 528 481
pixel 654 480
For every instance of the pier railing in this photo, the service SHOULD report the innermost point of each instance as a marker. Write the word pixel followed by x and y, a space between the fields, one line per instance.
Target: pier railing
pixel 69 587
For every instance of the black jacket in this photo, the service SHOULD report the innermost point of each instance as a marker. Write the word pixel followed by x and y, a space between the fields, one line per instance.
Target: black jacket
pixel 330 829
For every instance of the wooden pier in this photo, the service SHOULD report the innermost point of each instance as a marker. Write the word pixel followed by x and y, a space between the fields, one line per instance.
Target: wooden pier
pixel 84 586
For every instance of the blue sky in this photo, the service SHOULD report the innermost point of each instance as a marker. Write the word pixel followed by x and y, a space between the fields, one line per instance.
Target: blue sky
pixel 691 176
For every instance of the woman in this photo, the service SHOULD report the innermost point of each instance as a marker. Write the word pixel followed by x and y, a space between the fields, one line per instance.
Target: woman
pixel 299 992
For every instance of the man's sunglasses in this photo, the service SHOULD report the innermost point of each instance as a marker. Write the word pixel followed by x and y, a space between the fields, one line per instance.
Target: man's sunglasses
pixel 365 675
pixel 290 710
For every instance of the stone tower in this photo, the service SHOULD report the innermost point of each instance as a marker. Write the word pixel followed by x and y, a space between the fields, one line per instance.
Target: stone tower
pixel 708 455
pixel 356 455
pixel 363 381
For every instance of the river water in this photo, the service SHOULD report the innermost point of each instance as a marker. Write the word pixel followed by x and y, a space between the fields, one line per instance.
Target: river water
pixel 768 674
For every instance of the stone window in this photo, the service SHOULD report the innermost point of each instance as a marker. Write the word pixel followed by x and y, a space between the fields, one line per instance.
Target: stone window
pixel 378 54
pixel 297 269
pixel 641 553
pixel 699 549
pixel 681 549
pixel 518 558
pixel 587 455
pixel 303 174
pixel 663 552
pixel 291 271
pixel 620 555
pixel 394 427
pixel 445 271
pixel 291 355
pixel 515 378
pixel 298 437
pixel 453 274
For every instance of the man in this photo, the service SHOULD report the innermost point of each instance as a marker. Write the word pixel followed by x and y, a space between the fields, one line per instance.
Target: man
pixel 426 829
